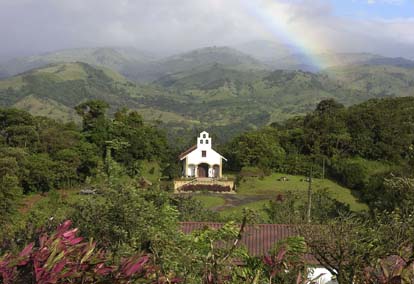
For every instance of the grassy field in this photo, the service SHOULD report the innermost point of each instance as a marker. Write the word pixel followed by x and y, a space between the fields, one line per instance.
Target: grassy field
pixel 48 108
pixel 271 185
pixel 210 201
pixel 151 171
pixel 253 193
pixel 238 210
pixel 68 71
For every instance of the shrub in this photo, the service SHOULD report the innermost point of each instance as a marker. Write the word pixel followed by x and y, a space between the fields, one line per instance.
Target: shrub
pixel 64 257
pixel 206 187
pixel 251 172
pixel 350 172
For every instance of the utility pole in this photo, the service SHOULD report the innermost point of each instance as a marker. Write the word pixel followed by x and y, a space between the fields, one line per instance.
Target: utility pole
pixel 309 196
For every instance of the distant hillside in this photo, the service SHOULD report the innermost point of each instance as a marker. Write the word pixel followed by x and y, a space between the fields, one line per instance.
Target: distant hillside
pixel 63 86
pixel 111 57
pixel 265 50
pixel 223 98
pixel 136 65
pixel 375 81
pixel 282 56
pixel 208 77
pixel 192 62
pixel 143 67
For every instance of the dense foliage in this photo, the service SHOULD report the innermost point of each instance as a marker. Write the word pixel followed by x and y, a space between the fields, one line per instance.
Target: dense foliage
pixel 218 88
pixel 367 147
pixel 357 146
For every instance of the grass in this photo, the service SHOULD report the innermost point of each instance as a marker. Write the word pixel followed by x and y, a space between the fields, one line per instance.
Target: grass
pixel 253 193
pixel 14 83
pixel 151 171
pixel 48 108
pixel 67 71
pixel 152 114
pixel 210 201
pixel 270 185
pixel 238 210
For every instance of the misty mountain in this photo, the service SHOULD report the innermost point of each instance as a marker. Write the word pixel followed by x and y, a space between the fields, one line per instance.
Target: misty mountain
pixel 266 50
pixel 209 77
pixel 374 81
pixel 193 60
pixel 144 67
pixel 136 65
pixel 227 97
pixel 55 89
pixel 281 56
pixel 112 57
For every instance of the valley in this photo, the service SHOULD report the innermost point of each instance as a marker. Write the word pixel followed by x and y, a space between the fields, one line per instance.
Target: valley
pixel 218 88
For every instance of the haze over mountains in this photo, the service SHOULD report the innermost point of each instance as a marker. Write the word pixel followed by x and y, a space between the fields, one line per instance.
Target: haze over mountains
pixel 214 87
pixel 144 66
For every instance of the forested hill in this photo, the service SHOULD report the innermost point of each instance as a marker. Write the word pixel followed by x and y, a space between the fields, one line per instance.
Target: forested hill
pixel 56 89
pixel 222 98
pixel 359 146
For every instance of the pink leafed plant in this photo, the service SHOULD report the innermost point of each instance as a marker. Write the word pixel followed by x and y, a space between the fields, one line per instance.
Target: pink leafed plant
pixel 64 257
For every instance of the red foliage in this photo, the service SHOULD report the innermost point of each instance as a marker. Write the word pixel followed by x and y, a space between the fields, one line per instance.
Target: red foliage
pixel 64 257
pixel 205 187
pixel 274 264
pixel 392 269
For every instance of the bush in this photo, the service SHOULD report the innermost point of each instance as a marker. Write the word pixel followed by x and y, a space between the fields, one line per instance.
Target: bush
pixel 350 172
pixel 251 172
pixel 207 187
pixel 64 257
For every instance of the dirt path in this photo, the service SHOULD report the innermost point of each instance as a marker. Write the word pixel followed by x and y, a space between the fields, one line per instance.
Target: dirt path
pixel 28 202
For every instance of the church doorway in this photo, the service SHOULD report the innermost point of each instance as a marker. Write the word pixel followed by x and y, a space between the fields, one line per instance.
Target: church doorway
pixel 202 171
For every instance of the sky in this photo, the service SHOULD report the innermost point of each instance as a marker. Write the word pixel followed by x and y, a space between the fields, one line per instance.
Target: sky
pixel 169 26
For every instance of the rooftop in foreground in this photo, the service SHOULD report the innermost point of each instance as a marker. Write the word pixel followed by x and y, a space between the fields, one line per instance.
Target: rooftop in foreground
pixel 258 239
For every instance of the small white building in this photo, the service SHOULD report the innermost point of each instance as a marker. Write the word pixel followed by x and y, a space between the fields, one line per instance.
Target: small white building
pixel 201 160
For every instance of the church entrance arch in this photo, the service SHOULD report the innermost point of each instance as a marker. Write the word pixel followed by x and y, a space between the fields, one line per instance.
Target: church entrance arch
pixel 202 170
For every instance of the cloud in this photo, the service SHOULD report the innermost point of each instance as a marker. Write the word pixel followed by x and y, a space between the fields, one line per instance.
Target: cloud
pixel 392 2
pixel 166 25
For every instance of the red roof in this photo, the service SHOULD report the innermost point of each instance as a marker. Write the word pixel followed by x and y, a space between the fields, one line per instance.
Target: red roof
pixel 188 151
pixel 259 239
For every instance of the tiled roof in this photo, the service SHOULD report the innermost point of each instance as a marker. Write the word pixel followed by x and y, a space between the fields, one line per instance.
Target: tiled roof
pixel 259 239
pixel 186 152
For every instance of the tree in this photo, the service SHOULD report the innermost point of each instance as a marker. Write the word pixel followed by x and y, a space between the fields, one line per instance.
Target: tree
pixel 95 123
pixel 125 220
pixel 258 149
pixel 343 246
pixel 284 209
pixel 325 130
pixel 41 175
pixel 10 193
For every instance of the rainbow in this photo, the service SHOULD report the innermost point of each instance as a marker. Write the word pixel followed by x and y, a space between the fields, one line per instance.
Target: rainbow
pixel 274 20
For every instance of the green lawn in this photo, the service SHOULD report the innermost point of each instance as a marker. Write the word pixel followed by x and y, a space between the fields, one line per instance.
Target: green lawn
pixel 253 193
pixel 151 171
pixel 238 210
pixel 271 185
pixel 210 201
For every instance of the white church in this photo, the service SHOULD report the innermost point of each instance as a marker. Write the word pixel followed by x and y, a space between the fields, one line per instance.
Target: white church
pixel 201 161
